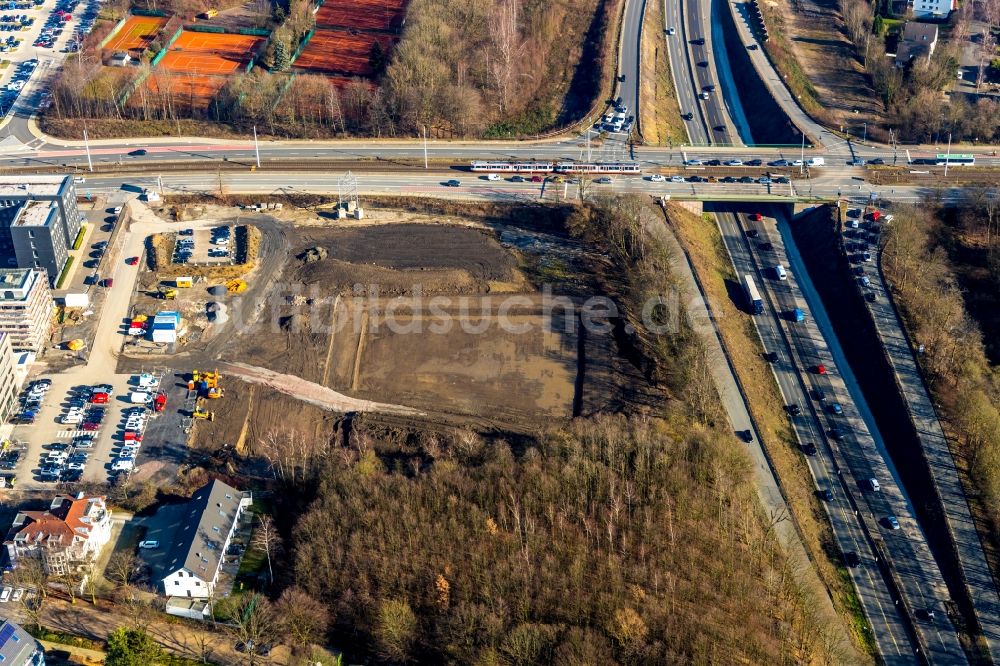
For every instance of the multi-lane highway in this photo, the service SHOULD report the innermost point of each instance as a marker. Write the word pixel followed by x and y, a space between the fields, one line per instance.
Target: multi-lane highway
pixel 889 627
pixel 854 458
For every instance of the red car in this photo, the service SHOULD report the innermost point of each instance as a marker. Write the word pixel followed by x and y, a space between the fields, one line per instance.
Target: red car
pixel 756 217
pixel 536 179
pixel 132 261
pixel 99 398
pixel 132 436
pixel 821 369
pixel 107 283
pixel 90 426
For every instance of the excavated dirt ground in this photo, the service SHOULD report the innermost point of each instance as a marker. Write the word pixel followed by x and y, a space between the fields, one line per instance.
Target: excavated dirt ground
pixel 445 353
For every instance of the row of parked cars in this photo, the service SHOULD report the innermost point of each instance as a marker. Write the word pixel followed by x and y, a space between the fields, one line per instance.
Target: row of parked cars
pixel 132 430
pixel 184 247
pixel 221 236
pixel 861 237
pixel 30 401
pixel 66 462
pixel 10 92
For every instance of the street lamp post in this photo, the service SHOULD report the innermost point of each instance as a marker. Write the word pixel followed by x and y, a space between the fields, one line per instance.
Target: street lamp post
pixel 947 156
pixel 424 127
pixel 86 143
pixel 256 146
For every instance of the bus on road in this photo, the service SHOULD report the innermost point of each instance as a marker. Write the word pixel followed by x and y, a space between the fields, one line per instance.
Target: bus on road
pixel 955 159
pixel 753 296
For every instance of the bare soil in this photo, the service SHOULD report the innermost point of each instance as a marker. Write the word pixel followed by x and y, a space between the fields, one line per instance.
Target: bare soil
pixel 248 412
pixel 447 319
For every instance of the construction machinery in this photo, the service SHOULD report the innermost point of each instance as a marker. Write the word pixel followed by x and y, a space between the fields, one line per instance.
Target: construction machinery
pixel 75 345
pixel 203 415
pixel 206 383
pixel 166 293
pixel 236 286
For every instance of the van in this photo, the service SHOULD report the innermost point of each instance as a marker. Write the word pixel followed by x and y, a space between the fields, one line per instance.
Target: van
pixel 779 270
pixel 873 484
pixel 816 161
pixel 139 397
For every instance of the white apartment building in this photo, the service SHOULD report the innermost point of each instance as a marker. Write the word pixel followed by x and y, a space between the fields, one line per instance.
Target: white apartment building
pixel 9 382
pixel 67 537
pixel 26 308
pixel 935 9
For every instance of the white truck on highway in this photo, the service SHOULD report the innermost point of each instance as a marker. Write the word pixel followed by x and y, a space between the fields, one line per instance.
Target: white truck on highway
pixel 816 161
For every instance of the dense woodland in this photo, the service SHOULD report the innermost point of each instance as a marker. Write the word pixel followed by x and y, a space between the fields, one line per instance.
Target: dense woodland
pixel 932 256
pixel 462 67
pixel 617 539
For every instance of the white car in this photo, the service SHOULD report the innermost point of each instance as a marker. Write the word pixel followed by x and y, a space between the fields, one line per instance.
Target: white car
pixel 677 179
pixel 734 163
pixel 18 593
pixel 5 593
pixel 693 162
pixel 122 465
pixel 75 466
pixel 149 544
pixel 671 30
pixel 797 163
pixel 71 419
pixel 657 178
pixel 493 176
pixel 224 240
pixel 79 179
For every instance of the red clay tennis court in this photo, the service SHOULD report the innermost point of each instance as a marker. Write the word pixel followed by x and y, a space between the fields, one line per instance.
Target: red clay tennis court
pixel 136 33
pixel 194 91
pixel 361 14
pixel 210 52
pixel 340 52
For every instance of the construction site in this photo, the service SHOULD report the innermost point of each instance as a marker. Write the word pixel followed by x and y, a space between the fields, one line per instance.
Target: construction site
pixel 411 316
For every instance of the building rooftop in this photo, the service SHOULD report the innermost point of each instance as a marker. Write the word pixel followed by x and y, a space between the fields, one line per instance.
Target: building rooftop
pixel 17 647
pixel 14 278
pixel 36 214
pixel 202 525
pixel 41 185
pixel 68 519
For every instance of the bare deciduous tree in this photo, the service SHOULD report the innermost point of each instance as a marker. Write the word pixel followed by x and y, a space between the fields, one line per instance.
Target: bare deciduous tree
pixel 266 539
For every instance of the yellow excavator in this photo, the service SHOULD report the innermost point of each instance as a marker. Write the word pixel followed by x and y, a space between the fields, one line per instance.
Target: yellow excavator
pixel 166 293
pixel 206 416
pixel 236 286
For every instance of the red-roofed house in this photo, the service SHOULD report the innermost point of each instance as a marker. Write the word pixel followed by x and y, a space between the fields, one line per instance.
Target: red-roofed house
pixel 68 536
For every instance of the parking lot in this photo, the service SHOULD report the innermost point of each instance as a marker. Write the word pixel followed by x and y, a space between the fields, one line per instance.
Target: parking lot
pixel 77 432
pixel 204 246
pixel 35 38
